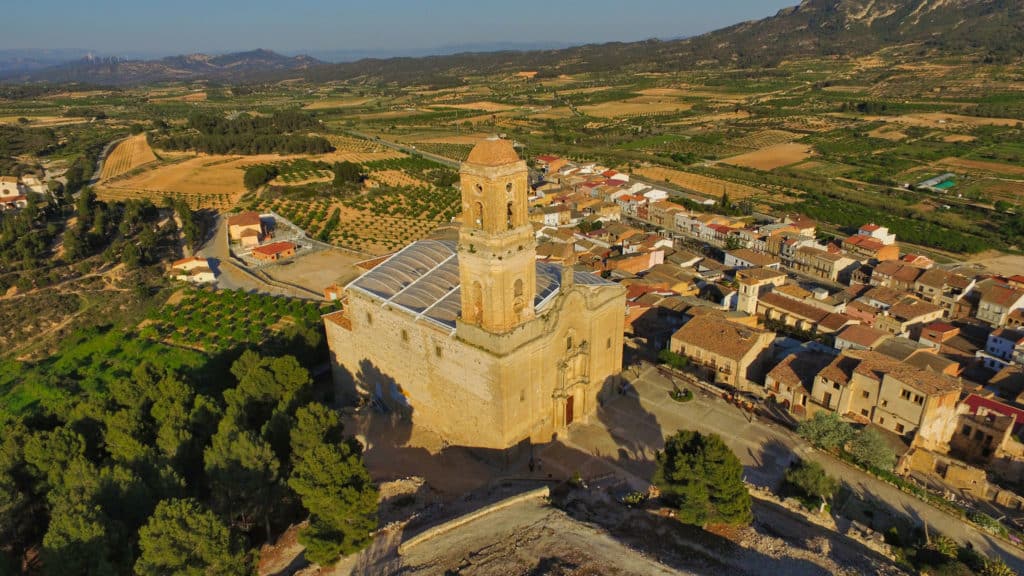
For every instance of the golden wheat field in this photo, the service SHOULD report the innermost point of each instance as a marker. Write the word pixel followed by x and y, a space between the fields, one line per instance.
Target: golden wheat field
pixel 772 157
pixel 706 185
pixel 126 156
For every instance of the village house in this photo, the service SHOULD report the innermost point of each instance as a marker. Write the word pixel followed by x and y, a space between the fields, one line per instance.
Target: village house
pixel 987 431
pixel 823 264
pixel 872 387
pixel 801 224
pixel 274 251
pixel 1003 348
pixel 860 337
pixel 792 379
pixel 880 233
pixel 944 289
pixel 663 213
pixel 997 301
pixel 1015 319
pixel 732 353
pixel 753 283
pixel 247 229
pixel 871 249
pixel 896 275
pixel 800 315
pixel 196 270
pixel 906 315
pixel 936 334
pixel 747 258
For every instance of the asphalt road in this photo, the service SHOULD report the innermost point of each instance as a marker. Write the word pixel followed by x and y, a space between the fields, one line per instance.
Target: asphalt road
pixel 629 429
pixel 408 149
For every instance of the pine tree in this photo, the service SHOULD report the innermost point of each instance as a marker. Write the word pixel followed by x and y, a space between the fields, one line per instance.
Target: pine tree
pixel 703 479
pixel 183 537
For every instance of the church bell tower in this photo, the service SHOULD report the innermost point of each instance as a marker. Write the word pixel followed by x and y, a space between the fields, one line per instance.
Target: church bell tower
pixel 497 247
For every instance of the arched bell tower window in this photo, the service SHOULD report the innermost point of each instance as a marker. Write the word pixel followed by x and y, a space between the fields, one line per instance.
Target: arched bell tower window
pixel 509 220
pixel 478 214
pixel 518 303
pixel 508 188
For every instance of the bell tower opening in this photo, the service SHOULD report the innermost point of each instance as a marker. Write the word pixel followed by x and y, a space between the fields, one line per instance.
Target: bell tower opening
pixel 497 246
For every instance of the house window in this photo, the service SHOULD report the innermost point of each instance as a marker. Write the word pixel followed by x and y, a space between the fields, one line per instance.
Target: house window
pixel 405 336
pixel 437 351
pixel 835 385
pixel 918 399
pixel 905 394
pixel 899 428
pixel 978 434
pixel 881 420
pixel 865 394
pixel 864 412
pixel 885 403
pixel 966 431
pixel 608 345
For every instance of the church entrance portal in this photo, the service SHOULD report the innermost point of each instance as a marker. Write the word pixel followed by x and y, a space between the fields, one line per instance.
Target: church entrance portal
pixel 568 410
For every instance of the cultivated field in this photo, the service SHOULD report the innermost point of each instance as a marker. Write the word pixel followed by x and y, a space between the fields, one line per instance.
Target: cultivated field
pixel 980 165
pixel 943 120
pixel 641 105
pixel 190 97
pixel 395 178
pixel 711 187
pixel 336 103
pixel 203 181
pixel 772 157
pixel 483 105
pixel 127 156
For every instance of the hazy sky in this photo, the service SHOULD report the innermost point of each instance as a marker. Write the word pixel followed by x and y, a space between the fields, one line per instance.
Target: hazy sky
pixel 182 26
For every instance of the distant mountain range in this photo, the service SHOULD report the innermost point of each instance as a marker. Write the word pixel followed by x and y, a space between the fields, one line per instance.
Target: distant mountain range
pixel 236 67
pixel 987 30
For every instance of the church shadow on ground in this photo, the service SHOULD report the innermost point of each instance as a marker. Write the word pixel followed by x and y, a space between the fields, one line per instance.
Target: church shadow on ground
pixel 462 479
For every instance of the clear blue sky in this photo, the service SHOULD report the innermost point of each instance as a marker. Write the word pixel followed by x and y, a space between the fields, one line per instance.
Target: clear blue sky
pixel 184 26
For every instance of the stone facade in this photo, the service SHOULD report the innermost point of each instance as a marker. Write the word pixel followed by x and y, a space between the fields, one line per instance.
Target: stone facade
pixel 511 365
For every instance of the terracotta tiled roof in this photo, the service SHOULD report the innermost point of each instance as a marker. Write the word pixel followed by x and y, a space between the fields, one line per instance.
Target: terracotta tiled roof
pixel 245 219
pixel 865 336
pixel 1002 295
pixel 714 333
pixel 754 257
pixel 275 248
pixel 798 370
pixel 911 309
pixel 876 366
pixel 795 307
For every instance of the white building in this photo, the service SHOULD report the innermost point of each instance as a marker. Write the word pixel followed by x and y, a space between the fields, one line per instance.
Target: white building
pixel 13 194
pixel 880 233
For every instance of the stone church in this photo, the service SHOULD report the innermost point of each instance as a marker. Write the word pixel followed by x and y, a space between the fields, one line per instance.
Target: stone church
pixel 476 340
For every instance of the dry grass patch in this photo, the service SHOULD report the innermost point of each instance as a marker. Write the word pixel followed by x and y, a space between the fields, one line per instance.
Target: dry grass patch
pixel 943 119
pixel 43 121
pixel 887 133
pixel 772 157
pixel 999 263
pixel 636 106
pixel 958 138
pixel 706 185
pixel 126 156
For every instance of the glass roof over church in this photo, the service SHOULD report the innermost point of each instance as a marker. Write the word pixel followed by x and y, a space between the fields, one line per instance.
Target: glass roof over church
pixel 423 279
